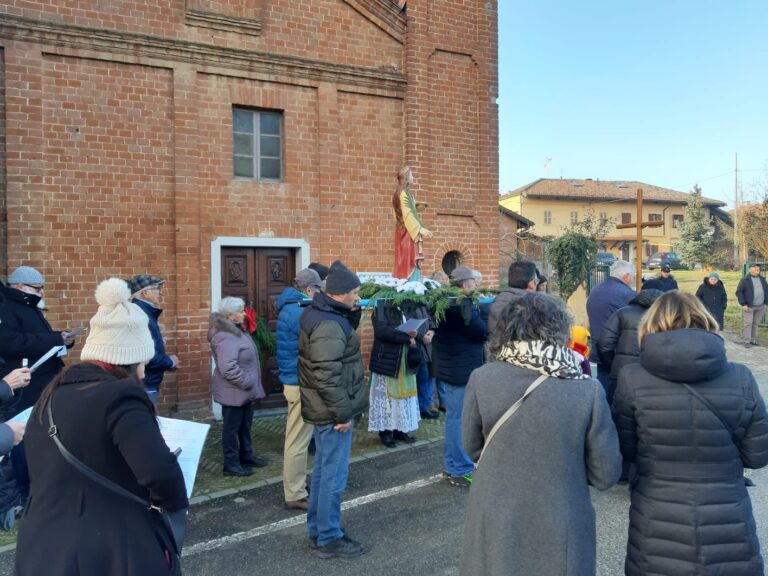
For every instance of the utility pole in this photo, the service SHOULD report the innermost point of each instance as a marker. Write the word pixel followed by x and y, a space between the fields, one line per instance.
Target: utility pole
pixel 736 251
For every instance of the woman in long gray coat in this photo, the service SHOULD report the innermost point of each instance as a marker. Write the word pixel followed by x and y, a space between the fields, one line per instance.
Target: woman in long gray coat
pixel 691 421
pixel 529 510
pixel 236 384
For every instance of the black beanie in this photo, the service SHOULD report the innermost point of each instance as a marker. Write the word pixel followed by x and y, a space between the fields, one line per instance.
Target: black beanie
pixel 340 279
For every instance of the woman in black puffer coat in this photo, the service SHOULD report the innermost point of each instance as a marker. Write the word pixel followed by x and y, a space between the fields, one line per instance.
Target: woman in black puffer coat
pixel 714 297
pixel 690 512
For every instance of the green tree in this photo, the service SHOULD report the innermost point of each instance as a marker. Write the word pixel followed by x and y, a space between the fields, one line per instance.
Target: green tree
pixel 570 255
pixel 696 231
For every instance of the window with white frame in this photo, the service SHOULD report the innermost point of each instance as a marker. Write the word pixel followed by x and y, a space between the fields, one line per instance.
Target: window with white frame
pixel 574 217
pixel 257 148
pixel 547 217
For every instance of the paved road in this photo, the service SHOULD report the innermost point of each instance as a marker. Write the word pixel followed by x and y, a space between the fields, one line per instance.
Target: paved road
pixel 412 522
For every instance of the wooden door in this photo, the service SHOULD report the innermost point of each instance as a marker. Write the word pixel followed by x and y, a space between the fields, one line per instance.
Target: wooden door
pixel 258 276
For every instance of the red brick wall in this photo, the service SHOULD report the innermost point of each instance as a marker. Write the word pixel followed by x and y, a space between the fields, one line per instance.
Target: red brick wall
pixel 324 29
pixel 119 156
pixel 3 214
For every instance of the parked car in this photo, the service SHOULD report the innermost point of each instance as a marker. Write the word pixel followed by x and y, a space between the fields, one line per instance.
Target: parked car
pixel 605 259
pixel 658 259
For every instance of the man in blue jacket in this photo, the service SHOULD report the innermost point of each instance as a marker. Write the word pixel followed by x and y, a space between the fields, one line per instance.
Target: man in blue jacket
pixel 147 294
pixel 611 294
pixel 297 432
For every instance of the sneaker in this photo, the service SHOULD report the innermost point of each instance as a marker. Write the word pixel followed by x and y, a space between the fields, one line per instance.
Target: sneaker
pixel 747 344
pixel 430 414
pixel 462 481
pixel 344 547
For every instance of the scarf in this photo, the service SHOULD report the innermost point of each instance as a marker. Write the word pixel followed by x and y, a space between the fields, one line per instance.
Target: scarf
pixel 539 356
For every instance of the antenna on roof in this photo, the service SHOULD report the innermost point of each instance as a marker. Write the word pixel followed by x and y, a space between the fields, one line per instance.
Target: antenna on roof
pixel 547 162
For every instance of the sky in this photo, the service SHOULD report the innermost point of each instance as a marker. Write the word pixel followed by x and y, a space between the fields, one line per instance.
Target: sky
pixel 665 92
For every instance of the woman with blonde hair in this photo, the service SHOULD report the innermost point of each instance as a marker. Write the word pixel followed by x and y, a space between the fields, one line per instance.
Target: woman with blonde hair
pixel 691 421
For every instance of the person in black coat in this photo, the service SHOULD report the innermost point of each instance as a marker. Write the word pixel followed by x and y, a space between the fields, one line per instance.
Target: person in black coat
pixel 459 348
pixel 72 525
pixel 714 297
pixel 395 355
pixel 25 333
pixel 618 344
pixel 691 421
pixel 664 282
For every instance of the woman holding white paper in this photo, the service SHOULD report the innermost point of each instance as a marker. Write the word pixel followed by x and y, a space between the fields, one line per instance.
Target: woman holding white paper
pixel 395 359
pixel 99 413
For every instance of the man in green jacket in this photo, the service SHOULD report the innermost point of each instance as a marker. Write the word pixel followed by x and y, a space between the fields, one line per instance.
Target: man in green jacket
pixel 333 393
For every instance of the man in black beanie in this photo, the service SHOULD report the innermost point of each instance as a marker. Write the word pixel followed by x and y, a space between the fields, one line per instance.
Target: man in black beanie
pixel 333 393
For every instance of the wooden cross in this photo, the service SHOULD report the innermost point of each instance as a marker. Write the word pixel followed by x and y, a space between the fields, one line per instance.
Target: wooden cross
pixel 639 224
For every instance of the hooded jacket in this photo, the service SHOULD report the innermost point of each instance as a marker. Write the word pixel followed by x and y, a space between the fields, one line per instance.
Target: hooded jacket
pixel 714 298
pixel 618 344
pixel 690 511
pixel 236 379
pixel 331 374
pixel 289 313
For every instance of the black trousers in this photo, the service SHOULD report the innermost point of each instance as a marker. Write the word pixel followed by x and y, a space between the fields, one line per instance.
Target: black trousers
pixel 236 435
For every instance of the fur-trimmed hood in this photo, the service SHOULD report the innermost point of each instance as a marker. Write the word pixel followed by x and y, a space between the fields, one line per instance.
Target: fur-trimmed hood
pixel 220 323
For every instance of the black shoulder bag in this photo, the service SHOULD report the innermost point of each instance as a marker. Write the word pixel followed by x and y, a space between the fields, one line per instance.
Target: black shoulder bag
pixel 174 522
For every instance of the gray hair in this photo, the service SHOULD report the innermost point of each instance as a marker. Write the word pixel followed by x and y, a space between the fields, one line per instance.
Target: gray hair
pixel 230 305
pixel 621 267
pixel 535 316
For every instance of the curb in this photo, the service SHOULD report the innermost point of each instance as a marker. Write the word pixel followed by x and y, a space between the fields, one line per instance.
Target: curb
pixel 207 498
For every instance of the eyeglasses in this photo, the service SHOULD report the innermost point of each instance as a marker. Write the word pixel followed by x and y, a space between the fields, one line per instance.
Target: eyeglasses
pixel 37 289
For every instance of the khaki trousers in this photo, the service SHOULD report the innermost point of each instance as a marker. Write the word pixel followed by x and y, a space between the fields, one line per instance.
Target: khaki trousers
pixel 297 436
pixel 752 321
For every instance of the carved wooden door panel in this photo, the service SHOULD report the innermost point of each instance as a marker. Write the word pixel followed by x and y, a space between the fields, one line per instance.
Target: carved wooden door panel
pixel 258 276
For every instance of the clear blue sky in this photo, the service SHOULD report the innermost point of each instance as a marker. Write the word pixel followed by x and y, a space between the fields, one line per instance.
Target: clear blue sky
pixel 659 91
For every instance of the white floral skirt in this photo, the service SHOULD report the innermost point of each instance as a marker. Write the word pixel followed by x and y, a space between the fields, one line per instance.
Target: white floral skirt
pixel 387 413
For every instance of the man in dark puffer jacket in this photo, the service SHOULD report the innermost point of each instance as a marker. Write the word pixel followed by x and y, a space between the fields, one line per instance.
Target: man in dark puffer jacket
pixel 333 393
pixel 618 345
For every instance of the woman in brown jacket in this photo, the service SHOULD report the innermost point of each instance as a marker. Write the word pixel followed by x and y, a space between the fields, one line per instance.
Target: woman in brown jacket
pixel 236 384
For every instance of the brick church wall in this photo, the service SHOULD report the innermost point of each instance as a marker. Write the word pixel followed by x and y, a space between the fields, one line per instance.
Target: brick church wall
pixel 117 155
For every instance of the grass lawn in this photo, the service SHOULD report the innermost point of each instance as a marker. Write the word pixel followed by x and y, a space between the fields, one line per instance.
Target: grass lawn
pixel 690 280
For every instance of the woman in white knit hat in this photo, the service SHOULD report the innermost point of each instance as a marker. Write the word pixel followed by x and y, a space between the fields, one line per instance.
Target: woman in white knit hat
pixel 73 524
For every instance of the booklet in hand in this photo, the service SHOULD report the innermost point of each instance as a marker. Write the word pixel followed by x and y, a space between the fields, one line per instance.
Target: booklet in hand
pixel 412 325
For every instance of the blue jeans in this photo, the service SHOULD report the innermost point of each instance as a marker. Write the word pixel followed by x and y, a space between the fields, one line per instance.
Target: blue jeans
pixel 426 387
pixel 455 460
pixel 329 478
pixel 152 393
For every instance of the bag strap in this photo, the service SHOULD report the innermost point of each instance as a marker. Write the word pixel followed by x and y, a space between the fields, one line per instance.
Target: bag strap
pixel 53 432
pixel 510 411
pixel 714 411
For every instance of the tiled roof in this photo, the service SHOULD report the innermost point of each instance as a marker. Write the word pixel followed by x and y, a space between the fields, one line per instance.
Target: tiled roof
pixel 522 219
pixel 568 188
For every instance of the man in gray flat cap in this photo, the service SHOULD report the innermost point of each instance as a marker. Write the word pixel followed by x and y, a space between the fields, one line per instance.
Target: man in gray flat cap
pixel 147 293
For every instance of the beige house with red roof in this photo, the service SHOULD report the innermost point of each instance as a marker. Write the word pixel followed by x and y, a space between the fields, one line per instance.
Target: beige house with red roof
pixel 554 204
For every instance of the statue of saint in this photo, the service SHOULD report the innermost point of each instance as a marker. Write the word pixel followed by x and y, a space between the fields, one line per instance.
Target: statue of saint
pixel 409 229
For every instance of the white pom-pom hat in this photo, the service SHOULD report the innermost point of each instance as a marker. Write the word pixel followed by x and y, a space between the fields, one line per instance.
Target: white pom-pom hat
pixel 119 331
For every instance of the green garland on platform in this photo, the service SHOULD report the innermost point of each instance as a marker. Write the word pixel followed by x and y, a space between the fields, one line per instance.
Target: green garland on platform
pixel 437 300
